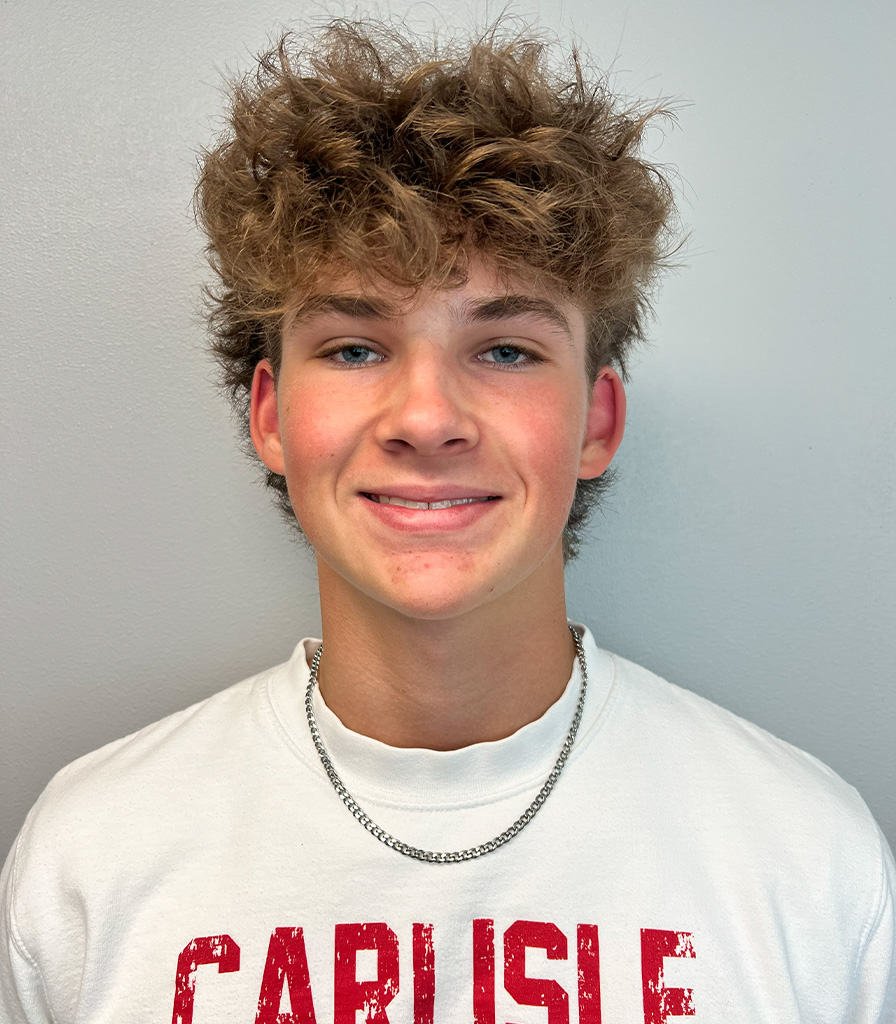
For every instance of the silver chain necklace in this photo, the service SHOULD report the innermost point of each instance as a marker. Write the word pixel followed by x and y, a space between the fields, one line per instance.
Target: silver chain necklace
pixel 458 855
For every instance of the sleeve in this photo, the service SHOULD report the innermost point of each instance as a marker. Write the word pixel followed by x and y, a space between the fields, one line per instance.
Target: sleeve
pixel 22 995
pixel 875 980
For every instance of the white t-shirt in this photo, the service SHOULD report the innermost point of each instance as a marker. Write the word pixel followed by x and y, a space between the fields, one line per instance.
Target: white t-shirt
pixel 686 865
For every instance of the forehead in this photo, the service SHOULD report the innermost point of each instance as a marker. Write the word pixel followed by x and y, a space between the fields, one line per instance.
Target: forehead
pixel 482 297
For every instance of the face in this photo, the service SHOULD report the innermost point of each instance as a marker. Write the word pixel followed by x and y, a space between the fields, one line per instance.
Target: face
pixel 431 443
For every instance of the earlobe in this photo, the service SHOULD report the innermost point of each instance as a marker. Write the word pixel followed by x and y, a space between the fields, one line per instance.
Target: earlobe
pixel 264 420
pixel 604 425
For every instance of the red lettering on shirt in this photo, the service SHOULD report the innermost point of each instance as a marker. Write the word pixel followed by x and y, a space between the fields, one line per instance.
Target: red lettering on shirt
pixel 535 991
pixel 660 1002
pixel 372 997
pixel 210 949
pixel 589 974
pixel 424 974
pixel 285 996
pixel 484 971
pixel 287 964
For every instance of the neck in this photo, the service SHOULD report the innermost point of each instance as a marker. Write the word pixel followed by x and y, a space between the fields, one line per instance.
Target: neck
pixel 444 684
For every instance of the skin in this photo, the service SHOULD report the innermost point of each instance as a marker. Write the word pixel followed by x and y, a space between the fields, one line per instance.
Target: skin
pixel 442 627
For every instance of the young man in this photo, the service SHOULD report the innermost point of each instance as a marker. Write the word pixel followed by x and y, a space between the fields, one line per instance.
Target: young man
pixel 456 808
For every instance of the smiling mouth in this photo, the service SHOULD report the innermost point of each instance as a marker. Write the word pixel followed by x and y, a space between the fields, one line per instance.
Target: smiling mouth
pixel 384 499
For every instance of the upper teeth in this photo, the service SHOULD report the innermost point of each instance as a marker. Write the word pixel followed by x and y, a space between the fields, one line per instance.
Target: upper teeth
pixel 405 503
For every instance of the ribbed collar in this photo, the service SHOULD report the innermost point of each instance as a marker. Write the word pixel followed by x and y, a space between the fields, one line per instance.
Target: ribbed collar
pixel 431 778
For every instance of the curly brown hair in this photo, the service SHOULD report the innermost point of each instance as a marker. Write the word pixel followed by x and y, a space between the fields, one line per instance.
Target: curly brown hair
pixel 365 149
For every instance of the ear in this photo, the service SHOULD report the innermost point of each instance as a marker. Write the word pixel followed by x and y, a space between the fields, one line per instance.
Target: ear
pixel 604 425
pixel 264 420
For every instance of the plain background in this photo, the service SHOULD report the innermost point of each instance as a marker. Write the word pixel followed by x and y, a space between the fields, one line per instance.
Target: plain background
pixel 749 548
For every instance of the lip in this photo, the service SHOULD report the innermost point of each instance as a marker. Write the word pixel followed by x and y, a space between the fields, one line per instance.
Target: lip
pixel 430 520
pixel 428 493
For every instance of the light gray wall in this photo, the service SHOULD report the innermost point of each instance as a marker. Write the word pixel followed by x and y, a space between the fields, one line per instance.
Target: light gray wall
pixel 748 552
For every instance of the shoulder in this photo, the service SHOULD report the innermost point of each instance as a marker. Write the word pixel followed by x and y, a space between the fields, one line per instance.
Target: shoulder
pixel 769 840
pixel 153 779
pixel 682 722
pixel 113 826
pixel 752 789
pixel 195 736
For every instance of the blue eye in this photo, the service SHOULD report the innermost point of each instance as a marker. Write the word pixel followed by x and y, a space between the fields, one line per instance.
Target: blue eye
pixel 355 355
pixel 506 354
pixel 510 356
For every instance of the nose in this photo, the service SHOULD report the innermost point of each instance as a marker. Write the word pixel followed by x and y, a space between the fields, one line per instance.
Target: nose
pixel 427 409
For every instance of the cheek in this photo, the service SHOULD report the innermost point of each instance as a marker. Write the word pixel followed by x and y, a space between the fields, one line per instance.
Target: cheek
pixel 314 430
pixel 550 443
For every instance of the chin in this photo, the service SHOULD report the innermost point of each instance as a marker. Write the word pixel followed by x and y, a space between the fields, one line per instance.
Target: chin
pixel 434 596
pixel 432 608
pixel 438 593
pixel 440 590
pixel 436 585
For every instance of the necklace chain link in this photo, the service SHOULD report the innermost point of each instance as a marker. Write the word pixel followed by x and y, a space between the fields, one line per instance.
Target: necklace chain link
pixel 456 856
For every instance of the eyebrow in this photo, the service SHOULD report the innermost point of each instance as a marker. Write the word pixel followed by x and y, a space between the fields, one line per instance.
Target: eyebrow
pixel 358 307
pixel 508 307
pixel 504 307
